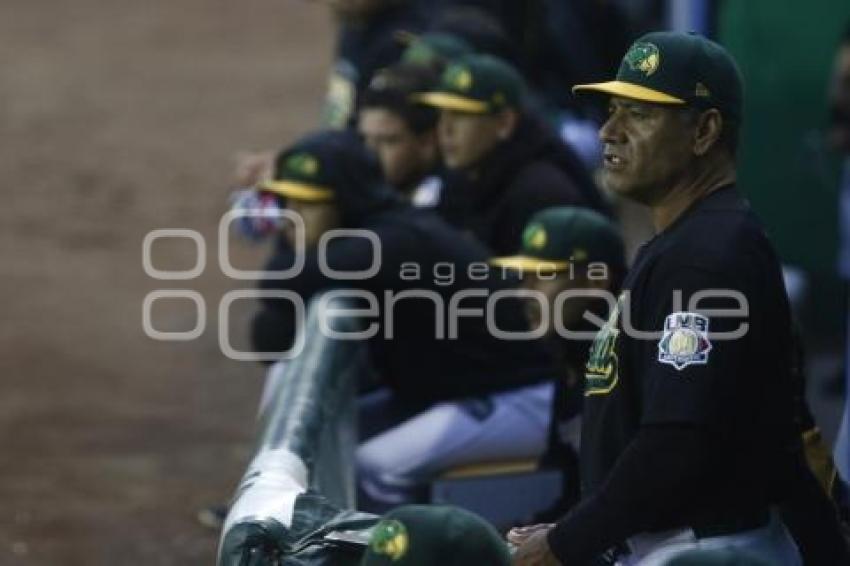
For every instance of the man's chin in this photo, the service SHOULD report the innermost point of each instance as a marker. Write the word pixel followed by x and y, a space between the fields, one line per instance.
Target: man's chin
pixel 614 183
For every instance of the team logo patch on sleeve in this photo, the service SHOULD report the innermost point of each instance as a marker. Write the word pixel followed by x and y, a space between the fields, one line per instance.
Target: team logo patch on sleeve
pixel 685 340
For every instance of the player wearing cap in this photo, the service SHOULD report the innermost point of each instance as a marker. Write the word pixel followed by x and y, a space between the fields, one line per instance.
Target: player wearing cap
pixel 688 438
pixel 572 259
pixel 402 133
pixel 451 379
pixel 330 180
pixel 505 164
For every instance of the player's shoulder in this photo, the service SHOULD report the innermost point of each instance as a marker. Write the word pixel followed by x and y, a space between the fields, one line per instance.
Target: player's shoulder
pixel 721 235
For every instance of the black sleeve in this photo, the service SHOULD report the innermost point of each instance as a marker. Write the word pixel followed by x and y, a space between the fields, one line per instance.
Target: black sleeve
pixel 274 326
pixel 657 472
pixel 692 366
pixel 812 519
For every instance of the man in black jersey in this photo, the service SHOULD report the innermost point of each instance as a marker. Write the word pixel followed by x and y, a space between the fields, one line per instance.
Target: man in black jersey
pixel 688 437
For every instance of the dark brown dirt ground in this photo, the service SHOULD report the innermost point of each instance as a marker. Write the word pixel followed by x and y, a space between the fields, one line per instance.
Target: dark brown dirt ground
pixel 116 119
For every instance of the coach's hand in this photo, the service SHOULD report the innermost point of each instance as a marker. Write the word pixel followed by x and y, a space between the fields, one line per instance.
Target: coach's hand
pixel 532 546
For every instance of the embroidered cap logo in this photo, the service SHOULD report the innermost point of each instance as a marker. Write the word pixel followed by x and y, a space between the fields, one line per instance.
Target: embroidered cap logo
pixel 303 164
pixel 535 237
pixel 643 57
pixel 390 539
pixel 459 78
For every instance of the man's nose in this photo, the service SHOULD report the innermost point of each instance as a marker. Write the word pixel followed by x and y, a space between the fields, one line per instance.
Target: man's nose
pixel 611 131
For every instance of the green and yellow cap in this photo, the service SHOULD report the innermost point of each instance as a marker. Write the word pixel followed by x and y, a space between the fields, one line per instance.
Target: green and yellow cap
pixel 677 68
pixel 425 535
pixel 433 47
pixel 302 172
pixel 477 84
pixel 556 237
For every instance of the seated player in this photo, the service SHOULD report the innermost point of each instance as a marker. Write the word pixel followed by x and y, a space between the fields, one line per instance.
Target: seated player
pixel 574 259
pixel 402 133
pixel 490 398
pixel 505 165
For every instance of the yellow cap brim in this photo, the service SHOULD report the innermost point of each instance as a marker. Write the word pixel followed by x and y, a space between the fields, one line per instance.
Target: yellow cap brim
pixel 452 102
pixel 299 191
pixel 528 263
pixel 629 90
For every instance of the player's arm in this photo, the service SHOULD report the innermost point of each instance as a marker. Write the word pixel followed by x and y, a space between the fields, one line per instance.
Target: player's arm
pixel 274 326
pixel 658 472
pixel 683 375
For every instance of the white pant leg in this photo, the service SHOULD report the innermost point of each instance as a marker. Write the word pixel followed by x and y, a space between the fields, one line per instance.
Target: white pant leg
pixel 450 435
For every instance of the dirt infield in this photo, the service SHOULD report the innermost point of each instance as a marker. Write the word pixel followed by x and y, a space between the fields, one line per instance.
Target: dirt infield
pixel 118 119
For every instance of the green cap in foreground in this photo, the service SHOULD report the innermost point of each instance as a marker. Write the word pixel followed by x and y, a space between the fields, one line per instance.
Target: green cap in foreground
pixel 677 68
pixel 477 84
pixel 428 535
pixel 556 237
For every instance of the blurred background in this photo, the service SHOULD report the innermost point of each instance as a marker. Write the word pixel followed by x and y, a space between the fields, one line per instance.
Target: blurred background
pixel 120 118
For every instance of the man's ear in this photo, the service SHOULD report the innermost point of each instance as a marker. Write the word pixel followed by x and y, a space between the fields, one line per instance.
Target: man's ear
pixel 709 126
pixel 508 120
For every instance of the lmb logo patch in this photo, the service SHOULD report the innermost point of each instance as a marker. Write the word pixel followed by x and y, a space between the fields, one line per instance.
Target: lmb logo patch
pixel 685 340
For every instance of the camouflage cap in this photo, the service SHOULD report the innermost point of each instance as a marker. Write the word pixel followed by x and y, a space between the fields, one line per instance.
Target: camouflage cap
pixel 677 68
pixel 556 237
pixel 426 535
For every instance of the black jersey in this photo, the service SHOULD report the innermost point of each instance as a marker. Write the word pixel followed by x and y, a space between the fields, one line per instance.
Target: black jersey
pixel 692 370
pixel 413 347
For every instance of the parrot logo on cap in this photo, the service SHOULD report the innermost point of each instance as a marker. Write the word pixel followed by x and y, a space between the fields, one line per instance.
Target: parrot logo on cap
pixel 303 164
pixel 535 237
pixel 390 539
pixel 643 57
pixel 459 78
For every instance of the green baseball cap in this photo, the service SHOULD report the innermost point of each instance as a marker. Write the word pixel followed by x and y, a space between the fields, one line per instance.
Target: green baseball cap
pixel 677 68
pixel 303 173
pixel 430 47
pixel 556 237
pixel 427 535
pixel 478 84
